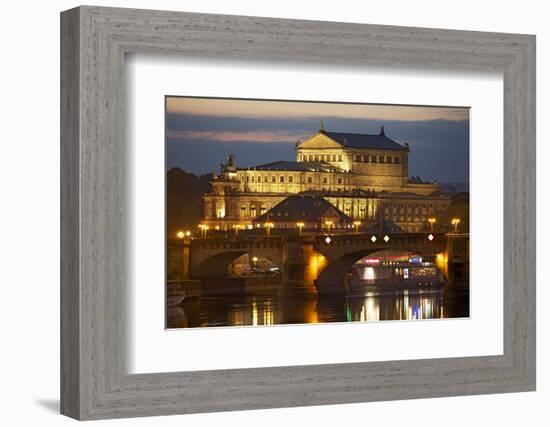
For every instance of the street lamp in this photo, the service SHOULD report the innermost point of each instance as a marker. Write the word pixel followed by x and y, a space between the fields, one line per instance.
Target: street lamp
pixel 300 225
pixel 455 222
pixel 268 227
pixel 431 221
pixel 357 224
pixel 328 225
pixel 236 227
pixel 180 234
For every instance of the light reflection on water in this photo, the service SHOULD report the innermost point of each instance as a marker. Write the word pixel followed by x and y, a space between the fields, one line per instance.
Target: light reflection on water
pixel 276 310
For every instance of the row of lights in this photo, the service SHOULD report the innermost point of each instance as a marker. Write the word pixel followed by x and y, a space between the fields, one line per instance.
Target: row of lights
pixel 269 225
pixel 373 239
pixel 454 221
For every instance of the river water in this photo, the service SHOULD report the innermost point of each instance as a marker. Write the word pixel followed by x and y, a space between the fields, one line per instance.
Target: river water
pixel 451 302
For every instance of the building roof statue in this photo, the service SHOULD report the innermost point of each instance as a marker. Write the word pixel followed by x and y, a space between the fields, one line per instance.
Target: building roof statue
pixel 230 165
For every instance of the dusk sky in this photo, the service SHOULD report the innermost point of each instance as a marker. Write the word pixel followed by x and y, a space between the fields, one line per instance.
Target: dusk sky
pixel 201 132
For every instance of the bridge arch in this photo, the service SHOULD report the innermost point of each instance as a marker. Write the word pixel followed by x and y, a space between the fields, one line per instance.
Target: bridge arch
pixel 331 279
pixel 217 265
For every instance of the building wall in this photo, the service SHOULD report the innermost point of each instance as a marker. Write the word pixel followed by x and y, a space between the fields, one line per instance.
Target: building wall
pixel 409 212
pixel 291 182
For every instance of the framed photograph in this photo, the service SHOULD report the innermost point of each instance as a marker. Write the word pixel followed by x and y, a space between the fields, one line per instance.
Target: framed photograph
pixel 262 213
pixel 318 225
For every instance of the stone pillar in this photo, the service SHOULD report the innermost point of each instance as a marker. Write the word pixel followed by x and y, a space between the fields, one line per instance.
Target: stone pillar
pixel 458 257
pixel 185 258
pixel 295 275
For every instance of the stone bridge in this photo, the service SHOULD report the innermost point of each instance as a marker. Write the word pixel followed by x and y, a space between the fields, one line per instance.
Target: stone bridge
pixel 312 261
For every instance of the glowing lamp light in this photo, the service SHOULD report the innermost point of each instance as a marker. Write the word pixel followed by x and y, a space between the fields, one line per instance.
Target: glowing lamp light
pixel 254 259
pixel 328 240
pixel 373 239
pixel 180 234
pixel 430 237
pixel 455 222
pixel 386 238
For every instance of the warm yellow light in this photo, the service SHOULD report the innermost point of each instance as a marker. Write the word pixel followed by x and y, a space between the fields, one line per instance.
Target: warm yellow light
pixel 455 221
pixel 373 239
pixel 356 222
pixel 300 224
pixel 430 237
pixel 180 234
pixel 316 265
pixel 386 238
pixel 328 223
pixel 254 259
pixel 269 225
pixel 188 233
pixel 431 220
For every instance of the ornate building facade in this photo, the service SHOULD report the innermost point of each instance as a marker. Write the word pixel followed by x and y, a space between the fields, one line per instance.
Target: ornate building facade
pixel 363 176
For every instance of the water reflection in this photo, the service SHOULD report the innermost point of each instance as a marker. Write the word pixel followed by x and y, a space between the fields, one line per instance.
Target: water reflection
pixel 274 310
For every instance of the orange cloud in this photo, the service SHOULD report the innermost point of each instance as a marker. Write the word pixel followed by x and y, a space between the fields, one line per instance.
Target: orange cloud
pixel 304 109
pixel 229 136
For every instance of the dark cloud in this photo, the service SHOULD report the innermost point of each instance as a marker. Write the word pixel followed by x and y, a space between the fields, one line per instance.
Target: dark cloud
pixel 439 148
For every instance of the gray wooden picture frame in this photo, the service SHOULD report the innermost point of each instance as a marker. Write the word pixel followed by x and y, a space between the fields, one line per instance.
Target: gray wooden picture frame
pixel 94 381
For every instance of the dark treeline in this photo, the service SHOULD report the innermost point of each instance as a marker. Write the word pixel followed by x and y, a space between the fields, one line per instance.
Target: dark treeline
pixel 184 204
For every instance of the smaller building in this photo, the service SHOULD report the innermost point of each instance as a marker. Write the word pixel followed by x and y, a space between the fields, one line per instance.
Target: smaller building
pixel 310 211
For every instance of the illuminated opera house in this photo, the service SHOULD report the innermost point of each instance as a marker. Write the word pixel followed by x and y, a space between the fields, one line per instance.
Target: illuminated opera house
pixel 361 178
